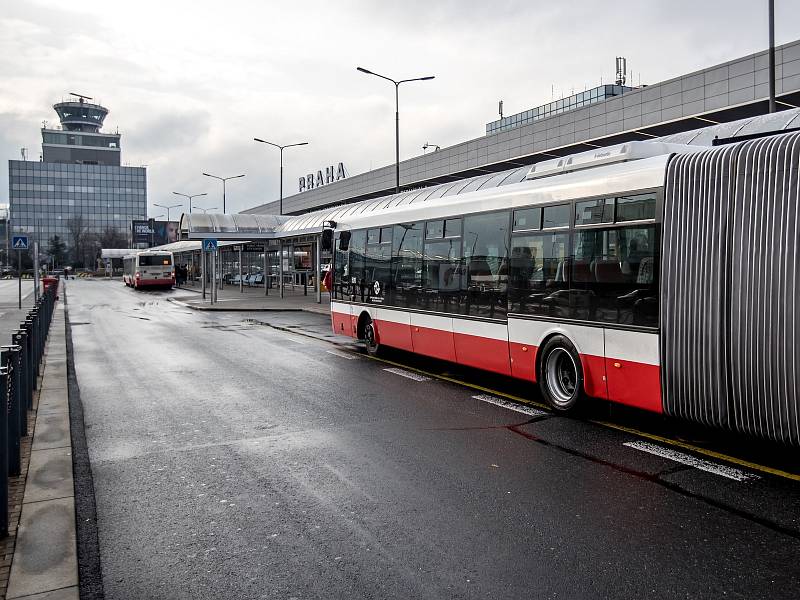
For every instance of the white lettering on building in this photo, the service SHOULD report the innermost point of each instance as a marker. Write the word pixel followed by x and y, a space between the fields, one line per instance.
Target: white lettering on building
pixel 315 180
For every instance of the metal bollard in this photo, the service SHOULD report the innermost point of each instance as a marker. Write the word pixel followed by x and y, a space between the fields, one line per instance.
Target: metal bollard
pixel 33 318
pixel 20 338
pixel 3 454
pixel 11 410
pixel 30 364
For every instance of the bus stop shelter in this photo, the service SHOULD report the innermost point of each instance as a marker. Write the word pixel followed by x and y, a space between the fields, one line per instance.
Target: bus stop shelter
pixel 288 255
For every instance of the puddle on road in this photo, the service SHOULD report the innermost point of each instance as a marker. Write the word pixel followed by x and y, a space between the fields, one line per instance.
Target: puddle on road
pixel 245 325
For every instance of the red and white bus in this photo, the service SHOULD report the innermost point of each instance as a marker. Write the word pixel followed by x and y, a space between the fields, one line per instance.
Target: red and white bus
pixel 149 268
pixel 658 276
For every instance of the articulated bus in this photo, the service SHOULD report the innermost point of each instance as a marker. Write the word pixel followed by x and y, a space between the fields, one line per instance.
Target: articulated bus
pixel 149 269
pixel 659 276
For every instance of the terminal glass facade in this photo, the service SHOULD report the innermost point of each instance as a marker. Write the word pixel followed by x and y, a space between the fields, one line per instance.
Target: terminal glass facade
pixel 598 94
pixel 45 198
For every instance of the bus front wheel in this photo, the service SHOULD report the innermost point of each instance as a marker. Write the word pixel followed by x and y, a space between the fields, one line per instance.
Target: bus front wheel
pixel 561 375
pixel 371 339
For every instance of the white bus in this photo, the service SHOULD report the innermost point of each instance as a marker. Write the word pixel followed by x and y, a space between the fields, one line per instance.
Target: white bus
pixel 149 268
pixel 658 276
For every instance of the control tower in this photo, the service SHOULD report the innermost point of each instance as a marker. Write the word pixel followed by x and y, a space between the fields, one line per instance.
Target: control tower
pixel 79 140
pixel 79 115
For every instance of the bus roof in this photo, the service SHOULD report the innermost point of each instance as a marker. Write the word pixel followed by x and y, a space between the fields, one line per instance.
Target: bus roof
pixel 486 193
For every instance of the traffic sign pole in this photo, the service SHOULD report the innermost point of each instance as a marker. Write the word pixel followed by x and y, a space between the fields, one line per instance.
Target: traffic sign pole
pixel 203 261
pixel 36 270
pixel 19 243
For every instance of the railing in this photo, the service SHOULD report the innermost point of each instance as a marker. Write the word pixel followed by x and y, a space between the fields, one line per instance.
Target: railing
pixel 19 371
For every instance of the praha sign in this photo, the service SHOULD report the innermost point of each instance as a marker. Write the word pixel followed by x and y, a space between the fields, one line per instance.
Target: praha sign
pixel 311 181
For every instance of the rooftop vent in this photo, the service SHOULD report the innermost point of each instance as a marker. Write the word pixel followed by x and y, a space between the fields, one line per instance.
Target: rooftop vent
pixel 604 156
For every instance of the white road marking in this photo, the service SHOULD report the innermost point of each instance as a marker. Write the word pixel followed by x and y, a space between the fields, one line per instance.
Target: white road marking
pixel 342 354
pixel 520 408
pixel 408 374
pixel 296 341
pixel 692 461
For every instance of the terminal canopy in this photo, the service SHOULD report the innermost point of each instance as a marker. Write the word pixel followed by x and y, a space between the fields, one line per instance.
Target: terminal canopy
pixel 196 226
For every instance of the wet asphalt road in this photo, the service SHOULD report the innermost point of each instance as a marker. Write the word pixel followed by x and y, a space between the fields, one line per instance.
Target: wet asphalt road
pixel 237 460
pixel 9 292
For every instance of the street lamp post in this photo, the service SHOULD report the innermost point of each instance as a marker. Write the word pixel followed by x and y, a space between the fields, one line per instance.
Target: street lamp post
pixel 205 210
pixel 396 116
pixel 771 17
pixel 223 180
pixel 167 208
pixel 190 196
pixel 281 148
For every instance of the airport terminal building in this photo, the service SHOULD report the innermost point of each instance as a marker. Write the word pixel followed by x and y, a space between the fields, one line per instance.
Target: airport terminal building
pixel 600 117
pixel 79 190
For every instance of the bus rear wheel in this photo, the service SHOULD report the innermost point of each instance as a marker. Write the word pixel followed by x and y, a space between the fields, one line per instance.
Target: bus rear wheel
pixel 561 376
pixel 371 339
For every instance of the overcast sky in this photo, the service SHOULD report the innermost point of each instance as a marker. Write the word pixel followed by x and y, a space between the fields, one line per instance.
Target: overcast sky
pixel 190 83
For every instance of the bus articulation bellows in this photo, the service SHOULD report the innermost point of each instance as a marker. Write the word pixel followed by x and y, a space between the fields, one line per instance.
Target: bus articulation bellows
pixel 659 276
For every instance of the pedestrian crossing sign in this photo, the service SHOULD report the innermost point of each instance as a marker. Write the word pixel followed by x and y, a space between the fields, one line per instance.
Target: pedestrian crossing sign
pixel 19 242
pixel 209 244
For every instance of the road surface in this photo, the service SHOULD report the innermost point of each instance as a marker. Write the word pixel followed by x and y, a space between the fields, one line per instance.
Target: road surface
pixel 237 459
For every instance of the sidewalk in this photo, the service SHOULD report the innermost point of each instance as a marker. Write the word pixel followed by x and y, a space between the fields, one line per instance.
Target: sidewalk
pixel 253 299
pixel 45 562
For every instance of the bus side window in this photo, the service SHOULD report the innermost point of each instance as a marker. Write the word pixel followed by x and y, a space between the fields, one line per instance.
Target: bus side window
pixel 358 242
pixel 406 269
pixel 442 275
pixel 377 284
pixel 537 279
pixel 485 279
pixel 614 276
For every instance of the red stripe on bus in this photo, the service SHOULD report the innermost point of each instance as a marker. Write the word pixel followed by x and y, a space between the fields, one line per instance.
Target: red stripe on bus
pixel 154 281
pixel 341 324
pixel 635 384
pixel 594 372
pixel 433 342
pixel 396 335
pixel 483 353
pixel 627 382
pixel 523 360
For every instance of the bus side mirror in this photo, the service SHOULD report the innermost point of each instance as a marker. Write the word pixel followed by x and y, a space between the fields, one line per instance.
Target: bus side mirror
pixel 326 242
pixel 344 240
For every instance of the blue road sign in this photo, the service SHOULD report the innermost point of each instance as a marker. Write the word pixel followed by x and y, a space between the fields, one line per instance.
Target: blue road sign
pixel 19 242
pixel 209 245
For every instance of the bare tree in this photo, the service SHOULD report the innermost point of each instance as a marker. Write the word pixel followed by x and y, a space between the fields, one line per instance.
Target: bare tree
pixel 113 238
pixel 90 250
pixel 77 236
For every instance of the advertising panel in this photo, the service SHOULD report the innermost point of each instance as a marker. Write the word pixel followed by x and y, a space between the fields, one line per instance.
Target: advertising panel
pixel 154 233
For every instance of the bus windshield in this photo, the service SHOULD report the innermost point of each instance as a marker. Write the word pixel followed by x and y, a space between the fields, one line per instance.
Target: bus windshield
pixel 153 260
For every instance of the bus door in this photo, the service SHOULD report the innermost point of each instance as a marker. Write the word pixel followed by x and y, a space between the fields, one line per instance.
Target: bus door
pixel 340 292
pixel 629 273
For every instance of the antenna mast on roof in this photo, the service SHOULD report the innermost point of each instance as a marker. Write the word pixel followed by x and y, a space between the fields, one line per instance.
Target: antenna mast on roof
pixel 622 68
pixel 81 97
pixel 500 108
